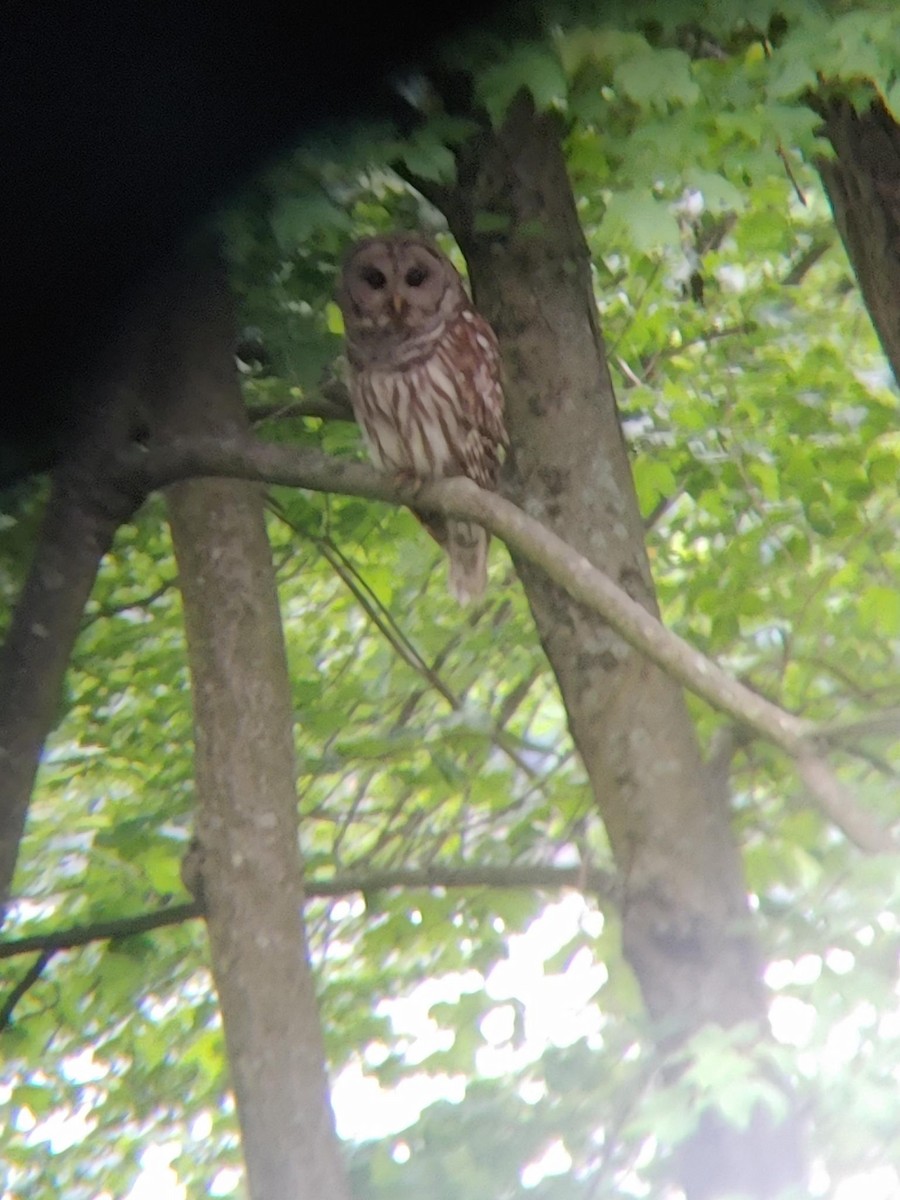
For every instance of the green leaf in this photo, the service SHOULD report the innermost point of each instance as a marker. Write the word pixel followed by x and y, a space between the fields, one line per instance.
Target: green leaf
pixel 654 481
pixel 334 319
pixel 603 47
pixel 657 79
pixel 298 218
pixel 120 976
pixel 534 68
pixel 426 156
pixel 647 223
pixel 719 194
pixel 38 1099
pixel 790 76
pixel 879 609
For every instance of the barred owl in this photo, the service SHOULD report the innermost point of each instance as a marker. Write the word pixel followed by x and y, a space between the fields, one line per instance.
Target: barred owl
pixel 424 381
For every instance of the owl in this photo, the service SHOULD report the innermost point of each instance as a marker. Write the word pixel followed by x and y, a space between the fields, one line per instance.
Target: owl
pixel 425 382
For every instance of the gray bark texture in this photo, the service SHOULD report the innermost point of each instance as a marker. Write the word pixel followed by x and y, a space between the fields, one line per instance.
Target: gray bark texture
pixel 88 501
pixel 863 186
pixel 686 925
pixel 248 860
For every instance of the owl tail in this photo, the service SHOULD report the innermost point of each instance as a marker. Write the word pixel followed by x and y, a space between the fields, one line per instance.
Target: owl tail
pixel 466 545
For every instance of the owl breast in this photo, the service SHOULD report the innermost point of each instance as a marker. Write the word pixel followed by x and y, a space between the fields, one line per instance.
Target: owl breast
pixel 443 414
pixel 411 419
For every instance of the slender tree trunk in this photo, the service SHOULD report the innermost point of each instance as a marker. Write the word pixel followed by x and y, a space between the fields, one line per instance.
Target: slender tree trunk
pixel 245 775
pixel 83 512
pixel 863 185
pixel 685 914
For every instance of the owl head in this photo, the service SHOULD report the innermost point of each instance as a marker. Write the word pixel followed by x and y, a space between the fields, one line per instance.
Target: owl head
pixel 397 286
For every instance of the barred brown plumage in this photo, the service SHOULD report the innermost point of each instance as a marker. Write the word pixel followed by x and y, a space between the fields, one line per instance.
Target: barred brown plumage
pixel 425 381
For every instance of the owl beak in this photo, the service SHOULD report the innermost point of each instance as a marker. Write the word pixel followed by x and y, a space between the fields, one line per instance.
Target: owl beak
pixel 399 305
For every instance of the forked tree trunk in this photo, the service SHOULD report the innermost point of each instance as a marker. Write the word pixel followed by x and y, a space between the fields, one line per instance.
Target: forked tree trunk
pixel 685 915
pixel 244 768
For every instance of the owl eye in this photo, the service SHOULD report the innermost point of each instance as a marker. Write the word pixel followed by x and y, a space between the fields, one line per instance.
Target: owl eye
pixel 416 276
pixel 374 278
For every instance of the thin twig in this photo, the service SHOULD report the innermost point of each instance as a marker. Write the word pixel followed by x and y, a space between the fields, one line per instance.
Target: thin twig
pixel 783 155
pixel 383 620
pixel 100 931
pixel 806 262
pixel 31 976
pixel 845 733
pixel 114 610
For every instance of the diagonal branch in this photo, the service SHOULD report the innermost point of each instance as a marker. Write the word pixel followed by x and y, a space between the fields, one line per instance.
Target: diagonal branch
pixel 31 976
pixel 404 648
pixel 247 459
pixel 387 626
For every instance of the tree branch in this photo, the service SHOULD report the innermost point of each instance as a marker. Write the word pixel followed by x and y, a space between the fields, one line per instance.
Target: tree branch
pixel 105 612
pixel 330 403
pixel 31 976
pixel 100 931
pixel 589 880
pixel 532 876
pixel 247 459
pixel 807 261
pixel 885 723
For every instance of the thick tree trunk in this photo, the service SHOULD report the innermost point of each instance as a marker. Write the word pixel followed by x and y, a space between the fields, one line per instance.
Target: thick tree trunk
pixel 685 914
pixel 245 777
pixel 863 185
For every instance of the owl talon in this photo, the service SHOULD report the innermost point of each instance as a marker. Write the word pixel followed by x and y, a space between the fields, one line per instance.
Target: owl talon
pixel 408 481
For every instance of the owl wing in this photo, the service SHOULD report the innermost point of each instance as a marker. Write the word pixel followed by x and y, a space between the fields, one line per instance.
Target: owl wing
pixel 472 345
